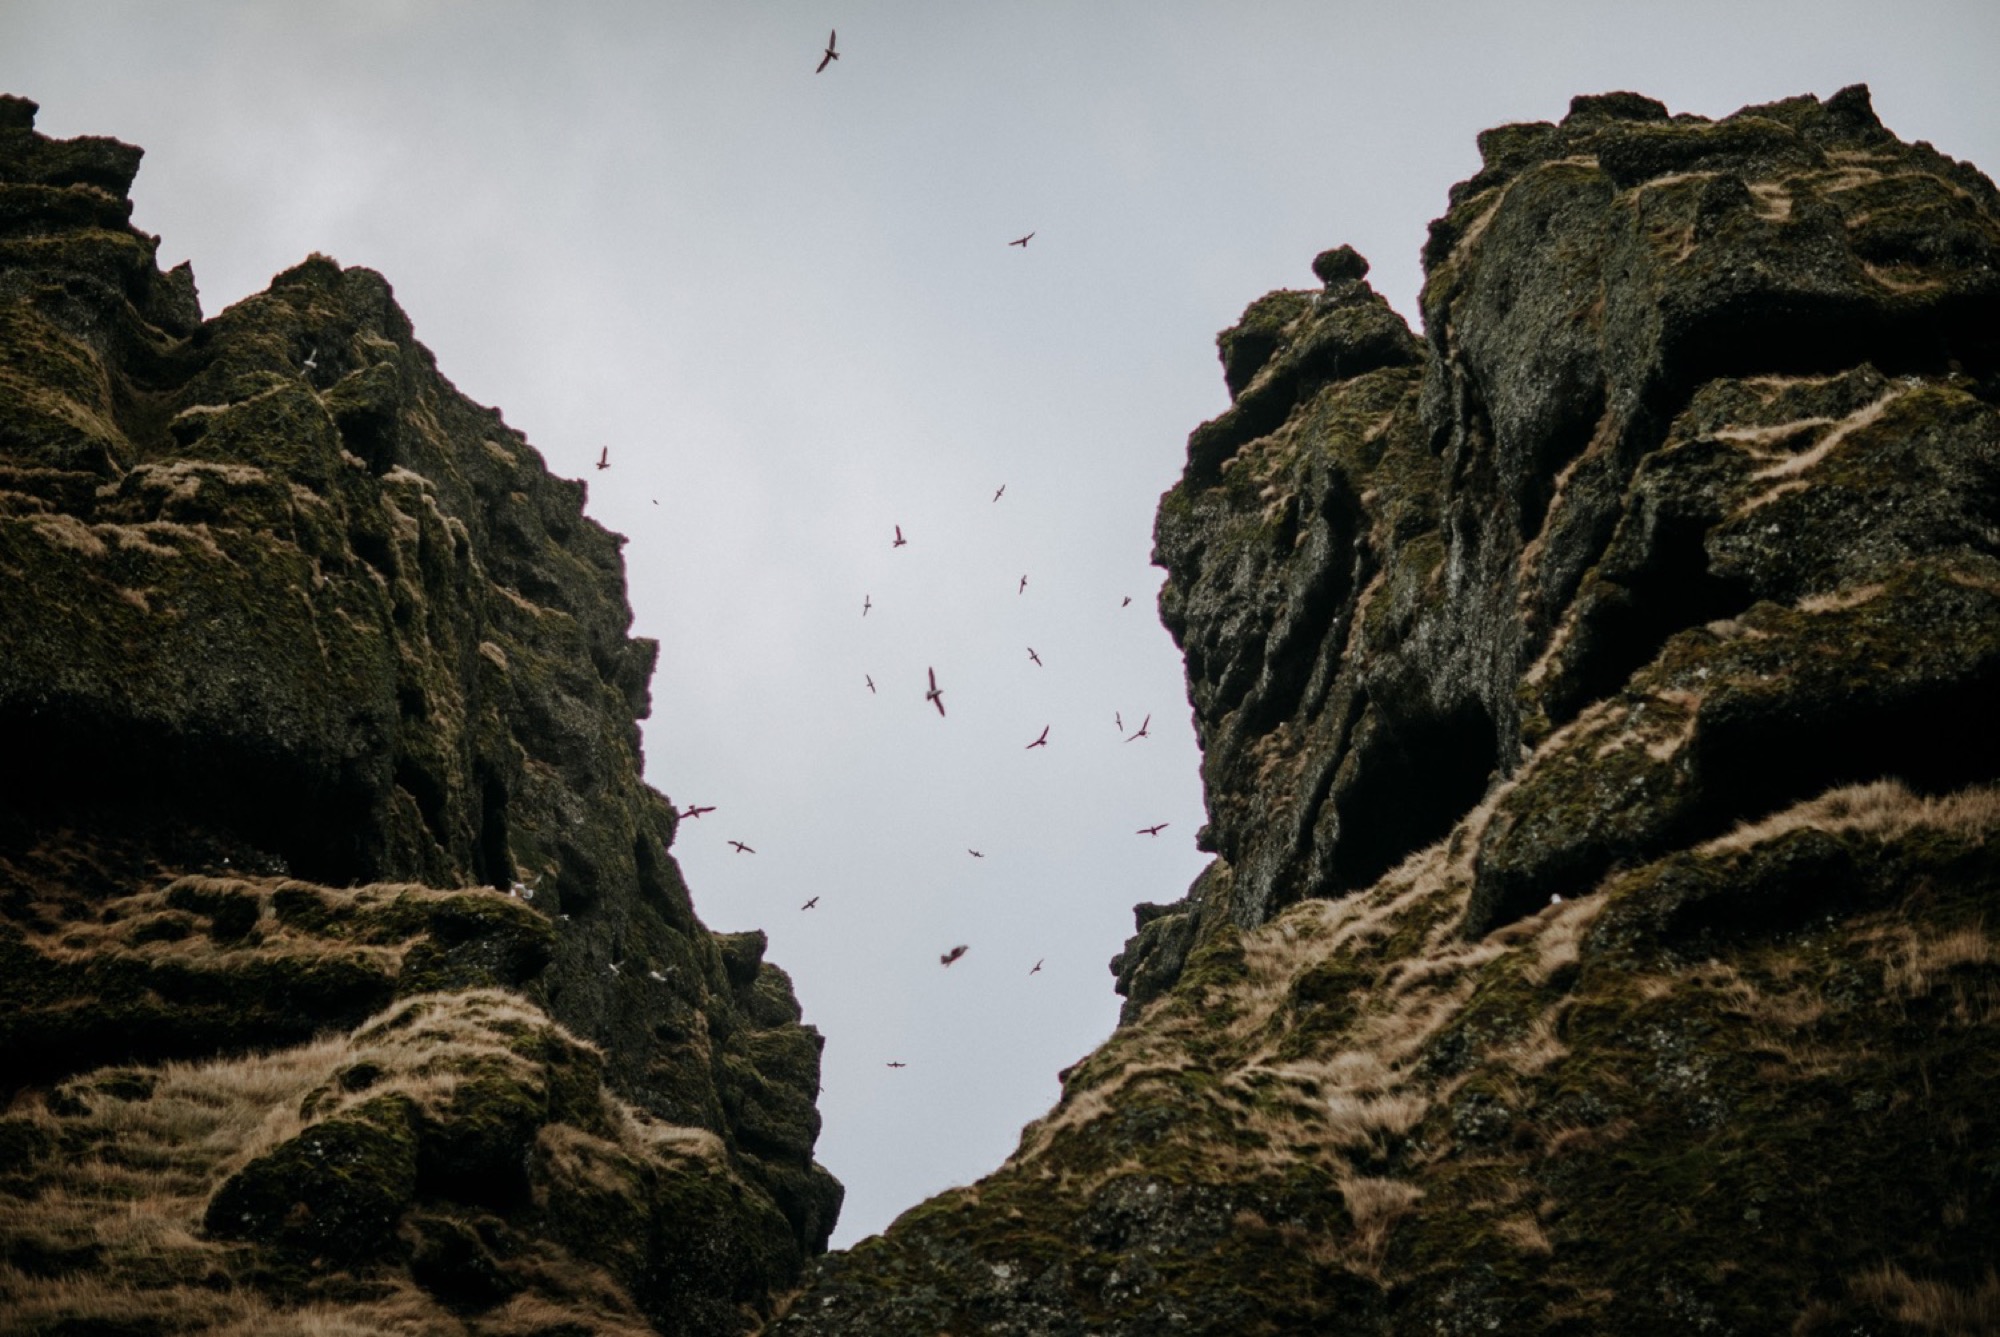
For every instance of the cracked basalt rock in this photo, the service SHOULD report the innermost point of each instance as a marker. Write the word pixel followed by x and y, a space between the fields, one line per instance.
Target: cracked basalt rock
pixel 320 699
pixel 1595 709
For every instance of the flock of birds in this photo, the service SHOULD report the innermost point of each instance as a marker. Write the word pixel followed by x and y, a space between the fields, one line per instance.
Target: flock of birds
pixel 934 694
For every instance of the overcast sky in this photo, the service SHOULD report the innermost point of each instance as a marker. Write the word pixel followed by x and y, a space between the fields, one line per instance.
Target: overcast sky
pixel 785 303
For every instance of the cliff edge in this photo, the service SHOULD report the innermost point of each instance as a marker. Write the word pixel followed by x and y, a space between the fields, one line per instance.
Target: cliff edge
pixel 1596 702
pixel 345 975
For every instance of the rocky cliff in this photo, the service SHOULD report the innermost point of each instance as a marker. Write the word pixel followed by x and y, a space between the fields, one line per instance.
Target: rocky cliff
pixel 346 980
pixel 1597 705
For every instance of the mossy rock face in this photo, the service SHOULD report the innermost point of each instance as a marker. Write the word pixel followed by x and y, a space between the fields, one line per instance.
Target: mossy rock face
pixel 334 705
pixel 1671 370
pixel 336 1190
pixel 454 1260
pixel 1596 728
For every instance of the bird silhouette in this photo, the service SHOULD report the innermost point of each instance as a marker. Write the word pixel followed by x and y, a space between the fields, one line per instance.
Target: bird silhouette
pixel 1024 586
pixel 975 854
pixel 894 1064
pixel 696 810
pixel 741 848
pixel 831 55
pixel 1118 720
pixel 996 495
pixel 810 904
pixel 1042 741
pixel 900 540
pixel 1140 732
pixel 1032 655
pixel 1038 967
pixel 1128 600
pixel 1022 242
pixel 936 694
pixel 604 458
pixel 870 681
pixel 866 604
pixel 952 955
pixel 1153 830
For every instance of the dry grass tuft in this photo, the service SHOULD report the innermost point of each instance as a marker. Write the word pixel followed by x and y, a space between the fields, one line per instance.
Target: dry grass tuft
pixel 1526 1234
pixel 1885 808
pixel 1356 1120
pixel 1914 961
pixel 1376 1205
pixel 1931 1306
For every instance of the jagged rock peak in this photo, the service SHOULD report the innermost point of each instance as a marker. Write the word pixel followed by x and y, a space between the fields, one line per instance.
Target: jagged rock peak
pixel 323 709
pixel 1387 603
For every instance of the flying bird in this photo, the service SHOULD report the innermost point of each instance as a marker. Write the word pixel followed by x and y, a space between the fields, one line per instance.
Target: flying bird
pixel 696 810
pixel 810 904
pixel 900 540
pixel 604 458
pixel 1038 967
pixel 936 694
pixel 870 681
pixel 1042 741
pixel 1119 720
pixel 1140 732
pixel 866 604
pixel 1153 830
pixel 996 495
pixel 952 955
pixel 1128 600
pixel 831 55
pixel 1022 242
pixel 741 848
pixel 894 1064
pixel 975 854
pixel 1032 655
pixel 1024 586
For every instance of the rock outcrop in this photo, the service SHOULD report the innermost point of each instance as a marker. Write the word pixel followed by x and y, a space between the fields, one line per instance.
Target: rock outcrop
pixel 1596 700
pixel 345 975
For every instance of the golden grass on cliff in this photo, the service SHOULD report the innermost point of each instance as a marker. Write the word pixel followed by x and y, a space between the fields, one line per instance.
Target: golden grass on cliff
pixel 1375 1205
pixel 1931 1306
pixel 130 1188
pixel 1262 1094
pixel 1886 809
pixel 1915 962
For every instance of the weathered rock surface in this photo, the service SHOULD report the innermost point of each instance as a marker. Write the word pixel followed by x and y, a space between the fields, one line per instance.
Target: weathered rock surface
pixel 1596 700
pixel 324 779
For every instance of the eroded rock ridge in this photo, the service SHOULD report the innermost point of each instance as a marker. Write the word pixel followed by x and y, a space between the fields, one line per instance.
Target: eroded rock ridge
pixel 345 974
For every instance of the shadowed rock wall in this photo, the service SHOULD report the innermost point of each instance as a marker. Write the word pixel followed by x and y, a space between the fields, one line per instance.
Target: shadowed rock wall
pixel 319 700
pixel 1596 710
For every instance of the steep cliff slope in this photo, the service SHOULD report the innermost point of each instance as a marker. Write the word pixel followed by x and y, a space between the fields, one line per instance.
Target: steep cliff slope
pixel 1597 710
pixel 346 979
